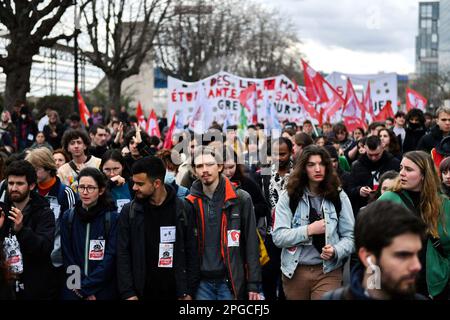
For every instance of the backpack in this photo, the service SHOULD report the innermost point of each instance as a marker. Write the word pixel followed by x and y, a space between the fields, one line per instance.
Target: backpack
pixel 106 221
pixel 293 204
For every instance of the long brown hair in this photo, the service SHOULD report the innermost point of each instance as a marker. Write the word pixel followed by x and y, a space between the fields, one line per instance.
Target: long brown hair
pixel 298 180
pixel 430 200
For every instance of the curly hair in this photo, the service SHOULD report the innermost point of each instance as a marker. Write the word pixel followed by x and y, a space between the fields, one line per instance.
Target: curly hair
pixel 298 180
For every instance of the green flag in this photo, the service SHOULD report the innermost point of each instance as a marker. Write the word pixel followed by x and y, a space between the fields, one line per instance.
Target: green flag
pixel 242 123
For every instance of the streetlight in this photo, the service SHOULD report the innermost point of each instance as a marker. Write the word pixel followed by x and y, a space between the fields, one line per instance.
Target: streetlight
pixel 75 56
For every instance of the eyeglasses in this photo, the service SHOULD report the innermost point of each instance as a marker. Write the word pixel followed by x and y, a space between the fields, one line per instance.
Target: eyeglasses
pixel 89 189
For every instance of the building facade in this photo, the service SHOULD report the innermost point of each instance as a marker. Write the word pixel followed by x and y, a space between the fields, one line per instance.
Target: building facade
pixel 429 38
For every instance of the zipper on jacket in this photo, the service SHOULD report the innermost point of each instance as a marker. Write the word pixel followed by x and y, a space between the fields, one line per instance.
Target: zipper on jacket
pixel 86 260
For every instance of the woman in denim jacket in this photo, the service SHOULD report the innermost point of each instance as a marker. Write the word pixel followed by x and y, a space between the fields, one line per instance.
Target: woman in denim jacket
pixel 314 227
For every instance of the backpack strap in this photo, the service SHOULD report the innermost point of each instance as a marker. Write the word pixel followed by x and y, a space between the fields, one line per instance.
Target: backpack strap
pixel 107 225
pixel 71 214
pixel 74 167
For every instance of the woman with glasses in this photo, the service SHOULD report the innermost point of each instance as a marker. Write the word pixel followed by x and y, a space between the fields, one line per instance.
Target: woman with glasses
pixel 88 241
pixel 114 167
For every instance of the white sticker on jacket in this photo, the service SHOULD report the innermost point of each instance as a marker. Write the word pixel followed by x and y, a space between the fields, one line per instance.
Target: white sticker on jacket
pixel 165 255
pixel 292 250
pixel 96 249
pixel 168 234
pixel 233 238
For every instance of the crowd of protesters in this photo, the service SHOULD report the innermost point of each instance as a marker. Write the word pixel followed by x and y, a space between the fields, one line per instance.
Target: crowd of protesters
pixel 104 212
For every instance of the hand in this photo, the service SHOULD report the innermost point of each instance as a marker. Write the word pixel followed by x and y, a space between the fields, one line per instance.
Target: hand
pixel 118 180
pixel 2 218
pixel 327 252
pixel 119 134
pixel 133 298
pixel 317 227
pixel 186 297
pixel 17 217
pixel 92 297
pixel 137 137
pixel 253 296
pixel 365 192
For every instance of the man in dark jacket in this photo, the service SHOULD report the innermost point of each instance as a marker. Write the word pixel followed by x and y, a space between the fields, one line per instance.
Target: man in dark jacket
pixel 385 233
pixel 440 130
pixel 228 243
pixel 415 129
pixel 99 140
pixel 32 221
pixel 156 250
pixel 366 172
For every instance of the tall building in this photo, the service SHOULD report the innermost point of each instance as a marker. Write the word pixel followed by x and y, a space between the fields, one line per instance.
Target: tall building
pixel 429 41
pixel 444 36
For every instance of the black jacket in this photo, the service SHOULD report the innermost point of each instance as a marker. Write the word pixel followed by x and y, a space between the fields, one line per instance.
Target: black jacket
pixel 430 140
pixel 131 260
pixel 55 142
pixel 36 244
pixel 361 175
pixel 98 151
pixel 412 137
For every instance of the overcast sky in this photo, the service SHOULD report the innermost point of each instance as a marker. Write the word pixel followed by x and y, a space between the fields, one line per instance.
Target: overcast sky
pixel 355 36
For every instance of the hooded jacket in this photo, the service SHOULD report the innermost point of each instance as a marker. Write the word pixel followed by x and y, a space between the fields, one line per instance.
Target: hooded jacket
pixel 98 275
pixel 36 244
pixel 239 249
pixel 131 251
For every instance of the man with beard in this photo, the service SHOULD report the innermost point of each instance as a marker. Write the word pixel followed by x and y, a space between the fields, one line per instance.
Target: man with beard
pixel 157 255
pixel 27 215
pixel 388 239
pixel 227 239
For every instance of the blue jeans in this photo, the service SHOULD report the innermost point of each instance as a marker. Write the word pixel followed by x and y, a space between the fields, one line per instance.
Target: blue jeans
pixel 213 290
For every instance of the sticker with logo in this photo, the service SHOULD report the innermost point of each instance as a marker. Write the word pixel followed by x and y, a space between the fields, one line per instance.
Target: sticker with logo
pixel 233 238
pixel 96 250
pixel 168 234
pixel 165 259
pixel 292 250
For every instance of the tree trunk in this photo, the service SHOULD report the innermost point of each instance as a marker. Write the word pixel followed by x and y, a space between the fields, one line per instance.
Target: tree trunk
pixel 115 85
pixel 17 84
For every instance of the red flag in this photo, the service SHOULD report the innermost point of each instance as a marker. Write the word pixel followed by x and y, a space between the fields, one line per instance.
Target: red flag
pixel 308 107
pixel 168 144
pixel 152 125
pixel 314 83
pixel 354 114
pixel 82 108
pixel 367 102
pixel 140 116
pixel 335 104
pixel 415 100
pixel 247 98
pixel 385 113
pixel 320 91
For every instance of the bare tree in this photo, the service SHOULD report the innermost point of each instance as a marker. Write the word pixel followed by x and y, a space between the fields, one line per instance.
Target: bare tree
pixel 271 46
pixel 433 86
pixel 29 25
pixel 200 37
pixel 229 35
pixel 121 34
